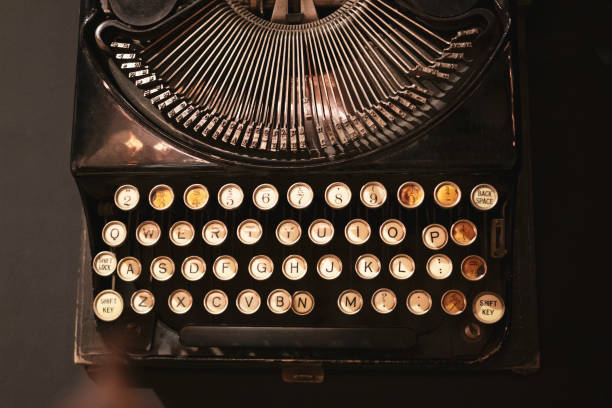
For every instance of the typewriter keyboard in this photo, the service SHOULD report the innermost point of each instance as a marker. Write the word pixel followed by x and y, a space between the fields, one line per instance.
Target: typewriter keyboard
pixel 345 253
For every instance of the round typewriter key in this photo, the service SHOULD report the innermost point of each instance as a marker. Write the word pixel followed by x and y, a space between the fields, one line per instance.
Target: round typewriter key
pixel 418 302
pixel 484 197
pixel 373 194
pixel 129 269
pixel 300 195
pixel 114 233
pixel 230 196
pixel 384 301
pixel 367 266
pixel 488 307
pixel 401 266
pixel 148 233
pixel 279 301
pixel 181 233
pixel 104 263
pixel 248 301
pixel 435 236
pixel 162 268
pixel 463 232
pixel 108 305
pixel 127 197
pixel 337 195
pixel 357 231
pixel 294 267
pixel 288 232
pixel 329 267
pixel 303 303
pixel 473 268
pixel 447 194
pixel 261 267
pixel 350 302
pixel 249 232
pixel 142 301
pixel 410 194
pixel 321 231
pixel 439 266
pixel 193 268
pixel 265 196
pixel 215 302
pixel 196 197
pixel 214 232
pixel 225 267
pixel 180 301
pixel 392 232
pixel 453 302
pixel 161 197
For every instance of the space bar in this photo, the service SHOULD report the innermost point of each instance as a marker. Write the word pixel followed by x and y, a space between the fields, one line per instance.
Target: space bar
pixel 297 337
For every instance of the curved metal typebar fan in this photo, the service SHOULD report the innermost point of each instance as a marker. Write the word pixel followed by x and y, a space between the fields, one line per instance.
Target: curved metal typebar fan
pixel 223 79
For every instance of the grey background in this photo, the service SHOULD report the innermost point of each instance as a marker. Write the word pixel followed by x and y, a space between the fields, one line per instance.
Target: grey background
pixel 569 54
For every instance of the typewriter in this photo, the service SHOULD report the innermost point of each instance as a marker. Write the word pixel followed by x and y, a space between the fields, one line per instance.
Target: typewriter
pixel 307 185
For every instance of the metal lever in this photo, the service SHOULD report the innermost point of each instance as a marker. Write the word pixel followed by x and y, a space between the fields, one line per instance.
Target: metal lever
pixel 498 238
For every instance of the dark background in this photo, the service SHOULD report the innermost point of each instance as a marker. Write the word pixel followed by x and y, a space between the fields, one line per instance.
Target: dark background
pixel 569 57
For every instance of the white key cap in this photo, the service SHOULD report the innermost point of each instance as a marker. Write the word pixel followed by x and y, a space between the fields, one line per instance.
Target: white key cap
pixel 453 302
pixel 418 302
pixel 215 302
pixel 384 301
pixel 357 231
pixel 248 301
pixel 439 266
pixel 463 232
pixel 108 305
pixel 230 196
pixel 181 233
pixel 180 301
pixel 294 267
pixel 161 197
pixel 401 266
pixel 214 232
pixel 225 267
pixel 367 266
pixel 279 301
pixel 127 197
pixel 249 232
pixel 484 197
pixel 392 232
pixel 265 196
pixel 300 195
pixel 261 267
pixel 488 307
pixel 193 268
pixel 196 196
pixel 148 233
pixel 321 231
pixel 104 263
pixel 373 194
pixel 338 195
pixel 350 302
pixel 303 303
pixel 329 267
pixel 114 233
pixel 129 269
pixel 162 268
pixel 142 301
pixel 288 232
pixel 435 236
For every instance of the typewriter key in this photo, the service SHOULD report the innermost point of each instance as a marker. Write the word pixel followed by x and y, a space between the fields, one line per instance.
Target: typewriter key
pixel 108 305
pixel 401 266
pixel 127 197
pixel 142 301
pixel 294 267
pixel 337 195
pixel 300 195
pixel 357 231
pixel 473 268
pixel 418 302
pixel 215 302
pixel 148 233
pixel 161 197
pixel 249 231
pixel 447 194
pixel 193 268
pixel 484 197
pixel 453 302
pixel 329 267
pixel 439 266
pixel 114 233
pixel 214 232
pixel 261 267
pixel 248 301
pixel 265 196
pixel 279 301
pixel 488 307
pixel 129 269
pixel 367 266
pixel 181 233
pixel 104 263
pixel 392 232
pixel 410 194
pixel 463 232
pixel 180 301
pixel 350 302
pixel 321 231
pixel 435 236
pixel 230 196
pixel 373 194
pixel 303 303
pixel 225 267
pixel 384 301
pixel 196 197
pixel 288 232
pixel 162 268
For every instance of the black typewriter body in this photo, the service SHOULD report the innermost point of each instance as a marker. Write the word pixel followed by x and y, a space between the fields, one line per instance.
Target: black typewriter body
pixel 468 139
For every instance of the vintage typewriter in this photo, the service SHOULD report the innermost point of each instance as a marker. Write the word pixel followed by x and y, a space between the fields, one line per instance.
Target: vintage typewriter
pixel 310 185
